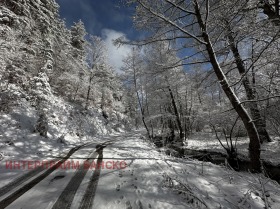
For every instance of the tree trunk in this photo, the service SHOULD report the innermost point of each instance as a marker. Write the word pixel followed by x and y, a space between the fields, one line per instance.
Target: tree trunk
pixel 277 7
pixel 260 123
pixel 148 112
pixel 89 89
pixel 272 13
pixel 254 145
pixel 181 133
pixel 140 104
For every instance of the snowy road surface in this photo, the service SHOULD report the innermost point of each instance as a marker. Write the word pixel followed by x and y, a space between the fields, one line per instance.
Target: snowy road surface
pixel 125 171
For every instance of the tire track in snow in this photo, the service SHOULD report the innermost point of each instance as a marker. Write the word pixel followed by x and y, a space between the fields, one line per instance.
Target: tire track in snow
pixel 15 195
pixel 18 181
pixel 65 199
pixel 88 197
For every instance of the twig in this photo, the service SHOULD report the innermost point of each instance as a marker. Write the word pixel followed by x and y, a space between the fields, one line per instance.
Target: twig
pixel 245 198
pixel 264 195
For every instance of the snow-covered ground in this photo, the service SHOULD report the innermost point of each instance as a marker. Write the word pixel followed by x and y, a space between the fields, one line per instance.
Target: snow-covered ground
pixel 69 125
pixel 208 141
pixel 152 179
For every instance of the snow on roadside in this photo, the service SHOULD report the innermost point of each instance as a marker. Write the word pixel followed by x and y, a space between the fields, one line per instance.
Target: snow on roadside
pixel 68 127
pixel 208 141
pixel 154 180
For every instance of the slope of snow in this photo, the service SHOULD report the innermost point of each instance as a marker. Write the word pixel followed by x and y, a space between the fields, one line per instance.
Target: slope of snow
pixel 68 126
pixel 152 179
pixel 151 176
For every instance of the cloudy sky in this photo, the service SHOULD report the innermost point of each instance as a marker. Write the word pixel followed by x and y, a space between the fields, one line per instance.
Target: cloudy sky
pixel 109 19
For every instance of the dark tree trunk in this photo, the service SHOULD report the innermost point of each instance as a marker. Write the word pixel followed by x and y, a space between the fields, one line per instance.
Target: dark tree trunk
pixel 272 13
pixel 260 123
pixel 140 104
pixel 89 89
pixel 181 133
pixel 254 145
pixel 148 112
pixel 277 7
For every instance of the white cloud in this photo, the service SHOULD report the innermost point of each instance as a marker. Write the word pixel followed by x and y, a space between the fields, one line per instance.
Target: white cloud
pixel 115 54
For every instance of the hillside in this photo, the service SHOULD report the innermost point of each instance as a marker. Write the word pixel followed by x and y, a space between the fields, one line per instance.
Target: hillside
pixel 44 71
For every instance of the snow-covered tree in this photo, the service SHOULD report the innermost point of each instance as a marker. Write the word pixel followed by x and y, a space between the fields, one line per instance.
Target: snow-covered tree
pixel 78 33
pixel 193 25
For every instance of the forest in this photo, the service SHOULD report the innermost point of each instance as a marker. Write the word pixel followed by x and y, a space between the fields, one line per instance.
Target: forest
pixel 226 78
pixel 209 64
pixel 206 71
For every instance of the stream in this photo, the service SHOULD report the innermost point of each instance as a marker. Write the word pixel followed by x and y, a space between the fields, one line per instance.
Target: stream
pixel 272 171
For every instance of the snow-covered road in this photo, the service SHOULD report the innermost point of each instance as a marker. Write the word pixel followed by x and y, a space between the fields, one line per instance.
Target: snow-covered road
pixel 132 174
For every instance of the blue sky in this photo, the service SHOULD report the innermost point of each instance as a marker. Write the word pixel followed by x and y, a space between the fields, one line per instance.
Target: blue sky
pixel 108 19
pixel 99 15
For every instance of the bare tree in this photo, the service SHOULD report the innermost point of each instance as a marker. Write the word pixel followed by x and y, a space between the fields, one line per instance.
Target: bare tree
pixel 187 22
pixel 132 68
pixel 97 53
pixel 238 30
